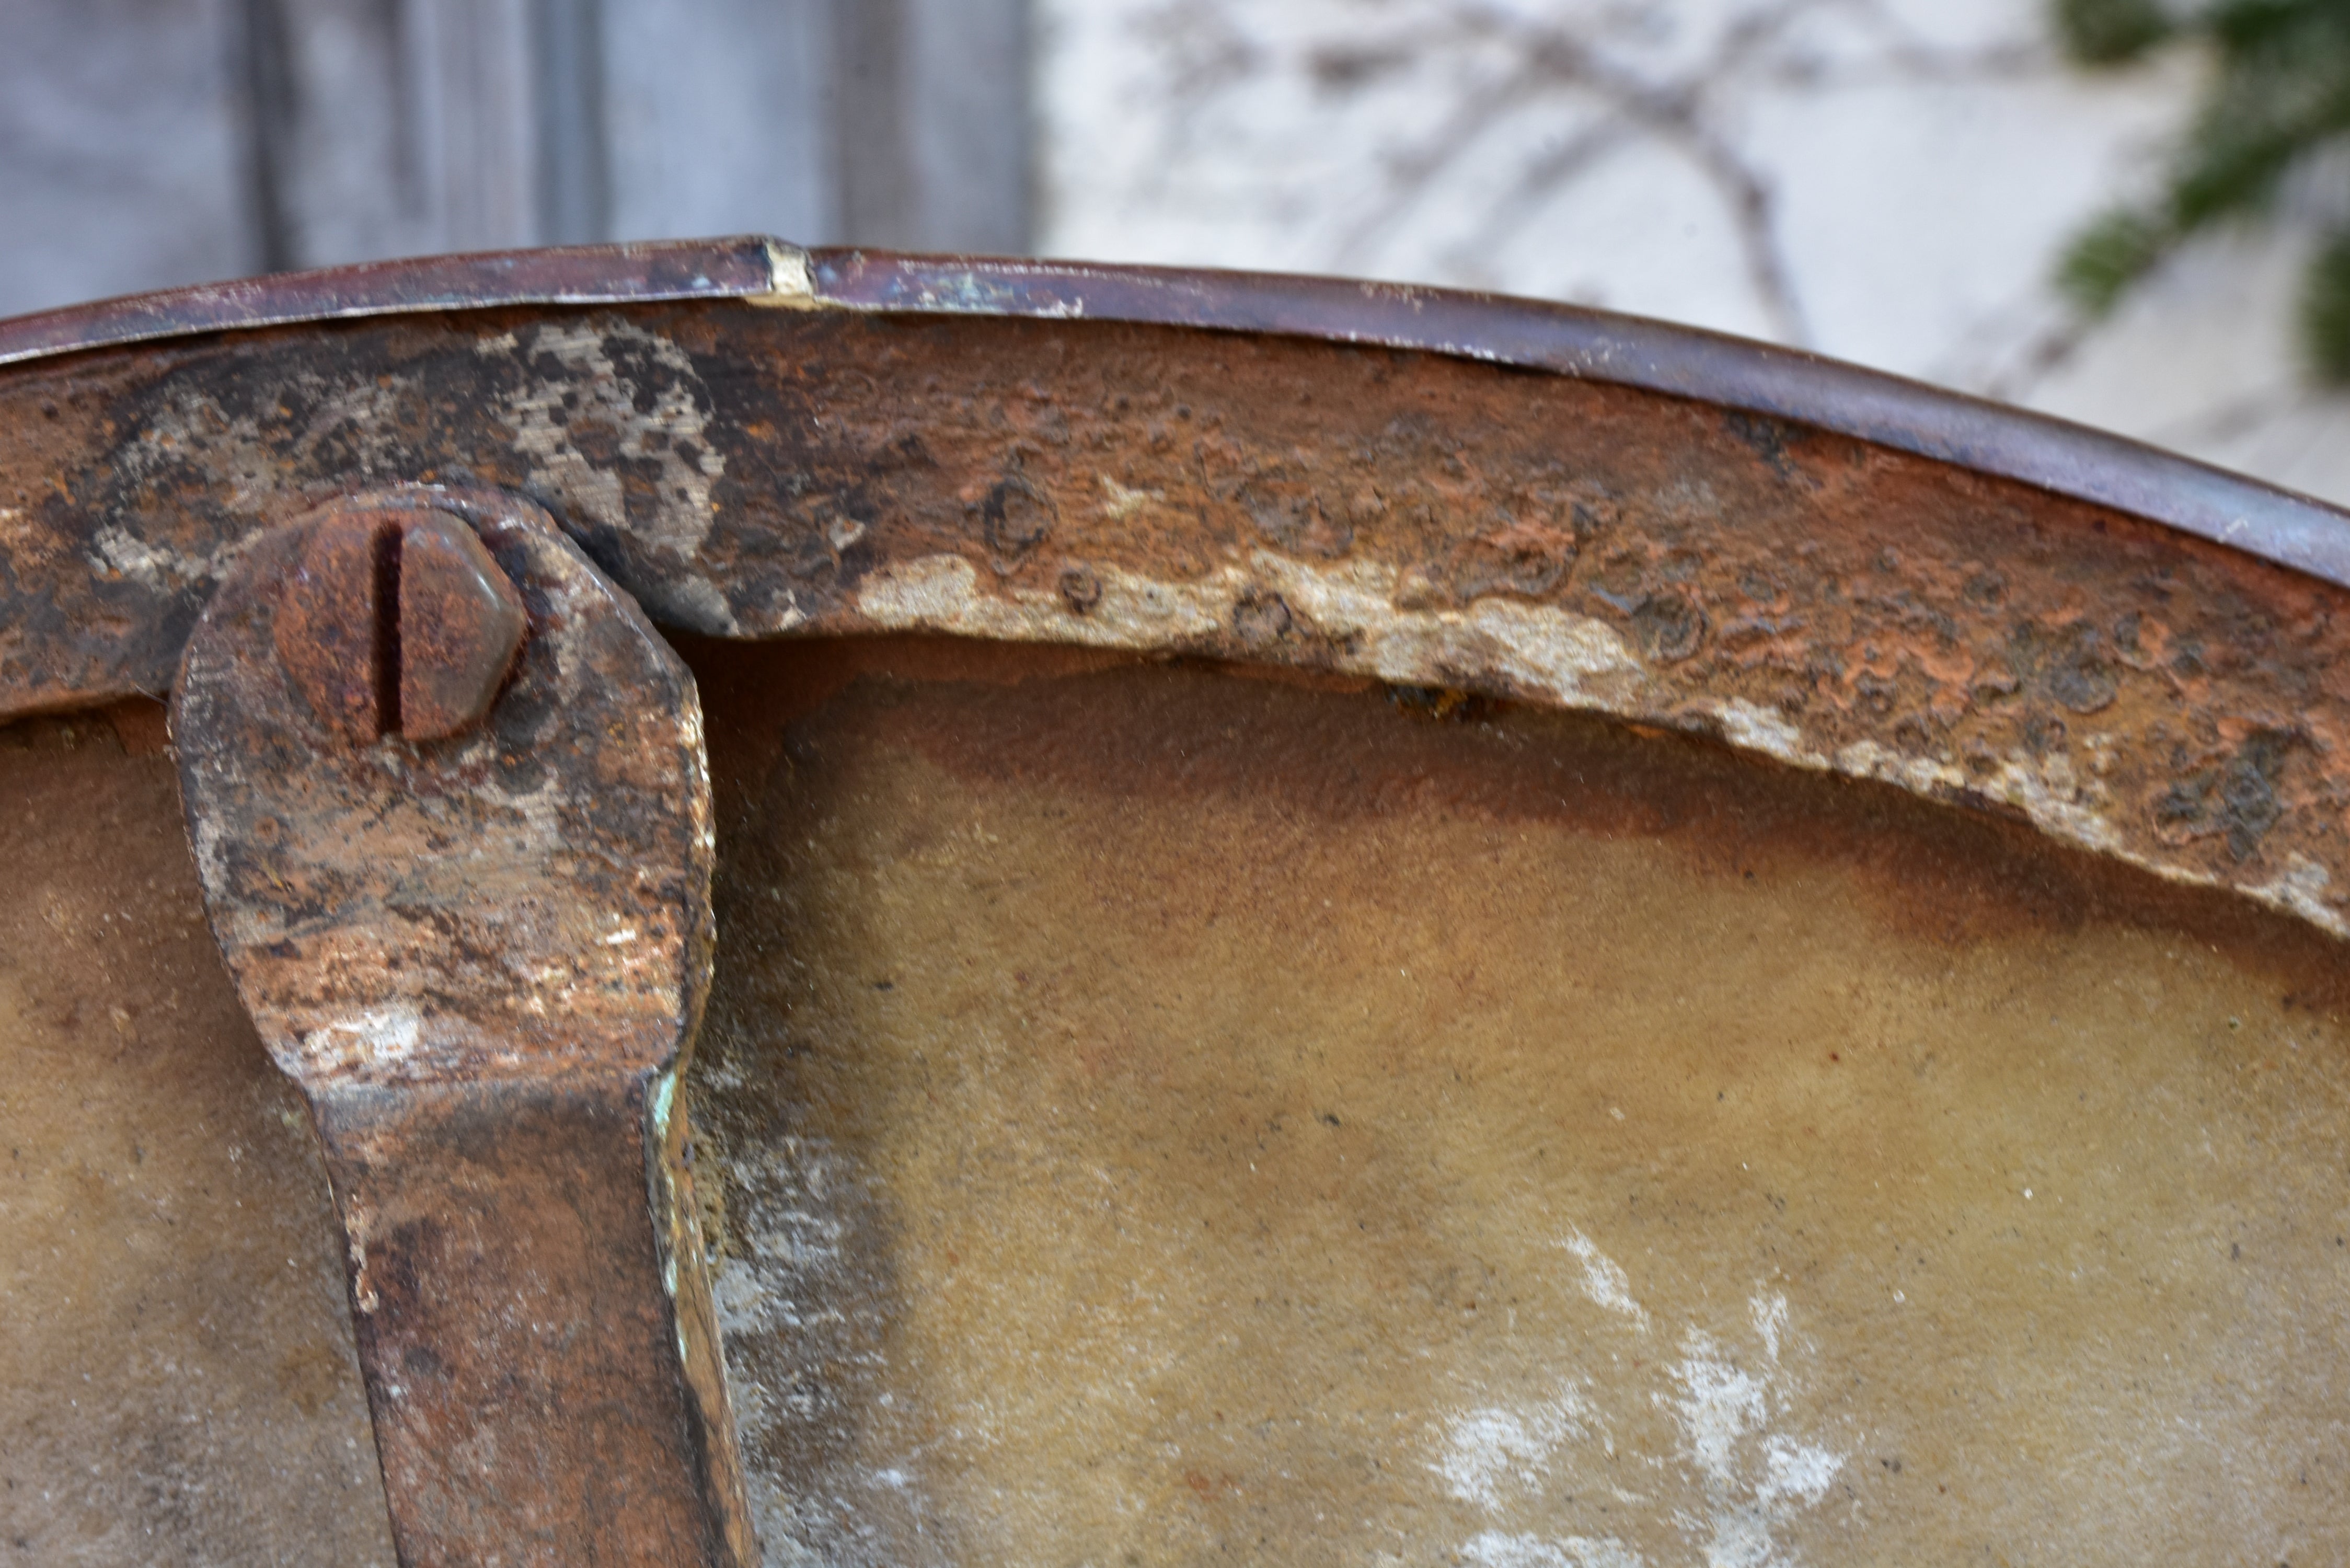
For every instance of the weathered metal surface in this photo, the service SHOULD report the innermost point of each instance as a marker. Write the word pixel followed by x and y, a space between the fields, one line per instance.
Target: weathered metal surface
pixel 521 898
pixel 1655 356
pixel 454 944
pixel 1423 519
pixel 400 624
pixel 527 1370
pixel 956 901
pixel 1170 1113
pixel 178 1386
pixel 481 958
pixel 328 633
pixel 453 638
pixel 560 275
pixel 1734 373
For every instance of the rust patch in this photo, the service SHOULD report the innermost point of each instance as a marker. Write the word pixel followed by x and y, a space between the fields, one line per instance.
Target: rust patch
pixel 520 1350
pixel 1406 517
pixel 504 902
pixel 329 633
pixel 142 725
pixel 461 625
pixel 396 622
pixel 482 958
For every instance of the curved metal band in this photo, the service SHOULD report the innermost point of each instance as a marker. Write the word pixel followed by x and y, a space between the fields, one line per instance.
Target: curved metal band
pixel 2143 655
pixel 2052 454
pixel 568 275
pixel 2055 455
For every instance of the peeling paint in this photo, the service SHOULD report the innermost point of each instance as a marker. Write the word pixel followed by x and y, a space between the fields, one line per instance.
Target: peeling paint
pixel 1345 610
pixel 380 1039
pixel 116 552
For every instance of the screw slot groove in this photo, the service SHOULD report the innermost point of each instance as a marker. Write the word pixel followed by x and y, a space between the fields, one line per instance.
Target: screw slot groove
pixel 388 544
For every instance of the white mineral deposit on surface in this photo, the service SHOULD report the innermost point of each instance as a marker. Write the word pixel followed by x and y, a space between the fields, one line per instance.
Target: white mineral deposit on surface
pixel 1496 1548
pixel 1499 1449
pixel 1734 1480
pixel 1603 1279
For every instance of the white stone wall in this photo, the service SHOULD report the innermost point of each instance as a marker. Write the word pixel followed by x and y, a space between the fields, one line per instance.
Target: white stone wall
pixel 1884 181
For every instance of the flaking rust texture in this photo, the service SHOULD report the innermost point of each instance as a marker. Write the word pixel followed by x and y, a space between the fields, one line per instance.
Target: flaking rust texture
pixel 1428 521
pixel 483 957
pixel 527 899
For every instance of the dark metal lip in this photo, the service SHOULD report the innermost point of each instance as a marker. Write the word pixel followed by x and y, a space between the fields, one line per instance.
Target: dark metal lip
pixel 568 275
pixel 1735 374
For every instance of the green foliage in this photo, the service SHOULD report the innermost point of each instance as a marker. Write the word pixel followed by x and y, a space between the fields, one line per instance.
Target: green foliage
pixel 2325 311
pixel 2113 253
pixel 2109 32
pixel 2278 99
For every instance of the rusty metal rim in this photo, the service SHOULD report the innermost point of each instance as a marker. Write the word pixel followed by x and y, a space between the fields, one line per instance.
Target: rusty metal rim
pixel 2056 455
pixel 569 274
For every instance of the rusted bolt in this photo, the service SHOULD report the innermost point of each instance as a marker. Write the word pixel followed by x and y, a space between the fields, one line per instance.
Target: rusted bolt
pixel 398 623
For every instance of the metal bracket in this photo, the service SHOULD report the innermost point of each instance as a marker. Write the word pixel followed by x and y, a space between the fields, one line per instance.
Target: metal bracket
pixel 481 953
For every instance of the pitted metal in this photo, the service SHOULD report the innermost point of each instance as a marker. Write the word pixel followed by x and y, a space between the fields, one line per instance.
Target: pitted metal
pixel 482 956
pixel 396 622
pixel 2142 657
pixel 481 953
pixel 455 630
pixel 527 897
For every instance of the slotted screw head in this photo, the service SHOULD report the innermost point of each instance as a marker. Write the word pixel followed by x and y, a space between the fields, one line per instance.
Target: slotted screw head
pixel 461 625
pixel 398 623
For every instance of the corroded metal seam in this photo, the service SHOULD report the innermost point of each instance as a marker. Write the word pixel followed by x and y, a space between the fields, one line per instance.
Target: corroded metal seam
pixel 2056 455
pixel 1349 622
pixel 1269 496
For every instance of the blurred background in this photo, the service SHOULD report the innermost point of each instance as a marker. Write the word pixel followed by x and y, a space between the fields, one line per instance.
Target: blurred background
pixel 2120 210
